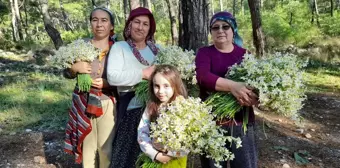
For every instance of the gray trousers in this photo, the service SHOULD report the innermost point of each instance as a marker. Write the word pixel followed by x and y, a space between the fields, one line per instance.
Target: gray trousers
pixel 245 157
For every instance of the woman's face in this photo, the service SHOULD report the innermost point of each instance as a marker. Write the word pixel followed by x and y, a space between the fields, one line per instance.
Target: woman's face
pixel 101 24
pixel 140 27
pixel 222 33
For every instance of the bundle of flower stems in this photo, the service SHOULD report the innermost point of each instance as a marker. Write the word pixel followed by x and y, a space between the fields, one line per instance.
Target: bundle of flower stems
pixel 144 161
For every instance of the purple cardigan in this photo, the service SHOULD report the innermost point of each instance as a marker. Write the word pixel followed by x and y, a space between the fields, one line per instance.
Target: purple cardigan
pixel 212 64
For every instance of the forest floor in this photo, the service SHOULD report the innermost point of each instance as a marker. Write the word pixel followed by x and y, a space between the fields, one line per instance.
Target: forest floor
pixel 281 143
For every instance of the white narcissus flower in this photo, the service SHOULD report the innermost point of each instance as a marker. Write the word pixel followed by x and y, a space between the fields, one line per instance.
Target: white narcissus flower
pixel 78 50
pixel 183 60
pixel 278 79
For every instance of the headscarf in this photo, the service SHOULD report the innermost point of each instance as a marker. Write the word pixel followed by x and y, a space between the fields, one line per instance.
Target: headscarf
pixel 229 18
pixel 112 36
pixel 149 38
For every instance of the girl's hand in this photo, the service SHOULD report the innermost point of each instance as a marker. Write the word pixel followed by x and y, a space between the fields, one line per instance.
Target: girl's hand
pixel 163 158
pixel 81 67
pixel 244 94
pixel 100 83
pixel 148 71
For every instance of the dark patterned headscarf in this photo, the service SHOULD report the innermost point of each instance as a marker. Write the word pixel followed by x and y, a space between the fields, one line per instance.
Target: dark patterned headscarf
pixel 229 18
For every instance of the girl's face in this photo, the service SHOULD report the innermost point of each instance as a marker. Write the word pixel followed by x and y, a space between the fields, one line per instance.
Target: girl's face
pixel 221 32
pixel 140 27
pixel 162 88
pixel 101 24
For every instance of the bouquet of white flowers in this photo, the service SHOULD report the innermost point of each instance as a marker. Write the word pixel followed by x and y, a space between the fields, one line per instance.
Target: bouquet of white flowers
pixel 78 50
pixel 188 125
pixel 278 80
pixel 182 60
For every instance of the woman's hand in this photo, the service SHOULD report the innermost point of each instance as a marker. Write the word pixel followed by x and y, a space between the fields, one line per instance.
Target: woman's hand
pixel 148 71
pixel 100 83
pixel 244 94
pixel 163 158
pixel 81 67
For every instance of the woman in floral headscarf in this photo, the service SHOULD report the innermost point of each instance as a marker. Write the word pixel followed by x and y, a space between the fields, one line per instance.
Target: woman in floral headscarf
pixel 129 63
pixel 212 63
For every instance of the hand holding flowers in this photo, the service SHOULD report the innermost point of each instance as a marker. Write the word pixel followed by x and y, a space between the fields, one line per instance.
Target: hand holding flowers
pixel 243 93
pixel 77 56
pixel 277 79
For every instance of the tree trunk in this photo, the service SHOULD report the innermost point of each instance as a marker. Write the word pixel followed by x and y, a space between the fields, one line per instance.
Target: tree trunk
pixel 180 24
pixel 258 37
pixel 316 12
pixel 66 21
pixel 195 24
pixel 126 9
pixel 221 5
pixel 93 3
pixel 212 7
pixel 172 16
pixel 332 8
pixel 234 8
pixel 147 4
pixel 242 7
pixel 25 23
pixel 15 31
pixel 51 31
pixel 164 7
pixel 291 19
pixel 134 4
pixel 17 16
pixel 312 10
pixel 108 4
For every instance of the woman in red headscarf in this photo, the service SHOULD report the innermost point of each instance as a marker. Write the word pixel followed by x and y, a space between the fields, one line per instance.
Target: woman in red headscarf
pixel 89 131
pixel 130 62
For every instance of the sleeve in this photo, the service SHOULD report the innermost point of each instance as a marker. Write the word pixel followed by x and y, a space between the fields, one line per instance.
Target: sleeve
pixel 204 75
pixel 143 137
pixel 116 75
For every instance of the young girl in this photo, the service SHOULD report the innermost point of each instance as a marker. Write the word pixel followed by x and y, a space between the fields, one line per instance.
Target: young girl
pixel 165 85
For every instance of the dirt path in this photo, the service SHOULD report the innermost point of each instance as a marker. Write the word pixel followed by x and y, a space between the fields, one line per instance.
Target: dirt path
pixel 278 138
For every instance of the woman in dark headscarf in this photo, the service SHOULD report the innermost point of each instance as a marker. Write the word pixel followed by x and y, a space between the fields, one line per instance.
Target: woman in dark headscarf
pixel 129 63
pixel 90 128
pixel 212 63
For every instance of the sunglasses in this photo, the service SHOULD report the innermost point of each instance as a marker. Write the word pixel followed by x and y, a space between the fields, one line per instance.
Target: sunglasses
pixel 223 27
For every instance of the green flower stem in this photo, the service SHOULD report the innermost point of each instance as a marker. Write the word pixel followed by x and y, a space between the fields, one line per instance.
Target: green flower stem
pixel 84 82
